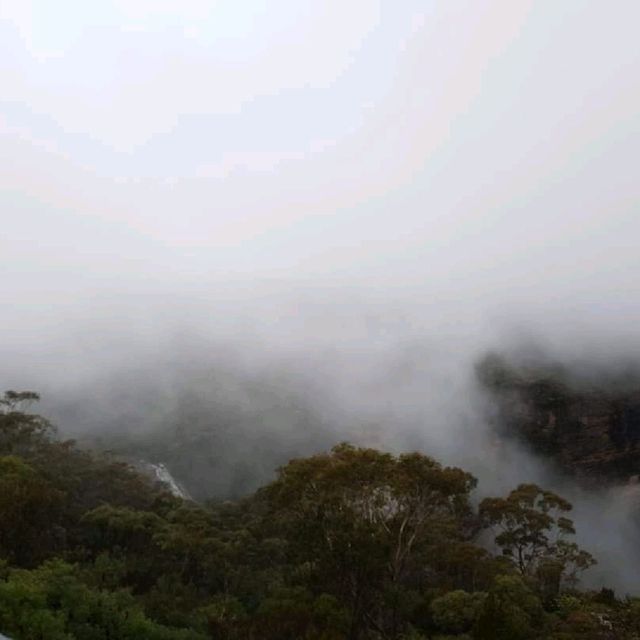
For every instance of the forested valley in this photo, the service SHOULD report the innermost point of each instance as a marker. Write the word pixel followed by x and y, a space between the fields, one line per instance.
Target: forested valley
pixel 353 543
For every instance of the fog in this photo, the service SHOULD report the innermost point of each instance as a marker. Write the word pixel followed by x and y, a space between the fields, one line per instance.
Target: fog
pixel 300 223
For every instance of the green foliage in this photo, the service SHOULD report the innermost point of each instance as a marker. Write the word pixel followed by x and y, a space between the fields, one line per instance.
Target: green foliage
pixel 30 512
pixel 533 536
pixel 367 521
pixel 51 602
pixel 354 544
pixel 511 611
pixel 457 611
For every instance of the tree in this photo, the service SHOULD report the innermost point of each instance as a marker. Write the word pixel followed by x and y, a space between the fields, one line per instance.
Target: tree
pixel 21 432
pixel 457 611
pixel 17 401
pixel 366 521
pixel 30 511
pixel 510 611
pixel 52 602
pixel 533 534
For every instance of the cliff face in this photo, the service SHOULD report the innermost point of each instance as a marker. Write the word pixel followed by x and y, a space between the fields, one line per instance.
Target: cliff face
pixel 589 431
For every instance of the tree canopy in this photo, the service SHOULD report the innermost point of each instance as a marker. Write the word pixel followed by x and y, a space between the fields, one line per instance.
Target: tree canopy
pixel 351 544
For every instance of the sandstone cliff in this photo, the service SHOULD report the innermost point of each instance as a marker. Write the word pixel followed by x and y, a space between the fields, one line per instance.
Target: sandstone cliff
pixel 590 429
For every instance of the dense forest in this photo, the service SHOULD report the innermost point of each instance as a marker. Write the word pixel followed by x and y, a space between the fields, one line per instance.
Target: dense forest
pixel 351 544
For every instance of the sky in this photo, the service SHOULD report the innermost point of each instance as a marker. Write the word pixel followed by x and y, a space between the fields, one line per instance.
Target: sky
pixel 467 145
pixel 365 195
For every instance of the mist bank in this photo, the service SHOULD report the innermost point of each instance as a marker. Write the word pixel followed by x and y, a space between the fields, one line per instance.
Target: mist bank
pixel 290 367
pixel 226 384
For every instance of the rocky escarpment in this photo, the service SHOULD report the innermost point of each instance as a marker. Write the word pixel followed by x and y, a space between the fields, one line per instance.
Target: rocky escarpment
pixel 591 430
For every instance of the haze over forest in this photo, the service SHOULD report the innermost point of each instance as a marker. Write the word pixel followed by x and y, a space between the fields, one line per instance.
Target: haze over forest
pixel 291 224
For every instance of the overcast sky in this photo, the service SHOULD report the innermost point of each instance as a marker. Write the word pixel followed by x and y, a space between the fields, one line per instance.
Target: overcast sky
pixel 361 140
pixel 478 159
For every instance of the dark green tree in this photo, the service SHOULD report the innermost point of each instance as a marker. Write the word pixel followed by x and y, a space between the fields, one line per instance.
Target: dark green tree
pixel 368 522
pixel 532 533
